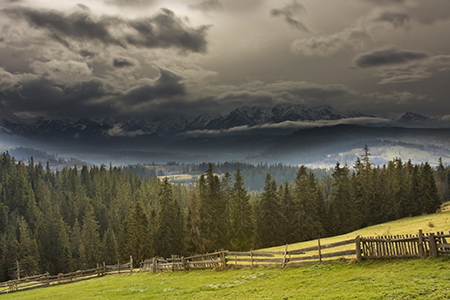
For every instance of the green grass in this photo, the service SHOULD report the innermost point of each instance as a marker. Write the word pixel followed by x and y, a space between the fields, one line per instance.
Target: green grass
pixel 428 223
pixel 390 279
pixel 395 279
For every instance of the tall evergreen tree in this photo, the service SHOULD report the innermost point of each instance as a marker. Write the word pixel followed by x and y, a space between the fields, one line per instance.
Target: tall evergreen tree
pixel 288 213
pixel 241 226
pixel 212 212
pixel 138 240
pixel 169 239
pixel 110 248
pixel 268 215
pixel 429 198
pixel 306 222
pixel 193 239
pixel 28 250
pixel 90 240
pixel 343 210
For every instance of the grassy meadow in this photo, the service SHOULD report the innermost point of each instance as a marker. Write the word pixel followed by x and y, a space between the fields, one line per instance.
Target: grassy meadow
pixel 393 279
pixel 388 279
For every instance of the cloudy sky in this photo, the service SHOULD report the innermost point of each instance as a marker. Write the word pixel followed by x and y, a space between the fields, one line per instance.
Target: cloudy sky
pixel 98 58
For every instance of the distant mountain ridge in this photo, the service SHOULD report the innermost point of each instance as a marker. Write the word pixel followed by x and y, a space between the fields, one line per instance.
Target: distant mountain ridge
pixel 289 133
pixel 172 127
pixel 242 116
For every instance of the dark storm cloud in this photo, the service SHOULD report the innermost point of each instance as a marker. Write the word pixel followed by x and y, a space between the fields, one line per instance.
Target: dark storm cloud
pixel 44 97
pixel 208 5
pixel 78 25
pixel 388 56
pixel 86 53
pixel 164 30
pixel 121 62
pixel 166 86
pixel 92 98
pixel 292 14
pixel 395 18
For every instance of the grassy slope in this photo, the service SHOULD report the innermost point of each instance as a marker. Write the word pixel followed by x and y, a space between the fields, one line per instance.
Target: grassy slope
pixel 399 279
pixel 396 279
pixel 439 221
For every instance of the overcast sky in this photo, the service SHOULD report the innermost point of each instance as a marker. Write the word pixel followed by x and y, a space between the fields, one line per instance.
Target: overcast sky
pixel 98 58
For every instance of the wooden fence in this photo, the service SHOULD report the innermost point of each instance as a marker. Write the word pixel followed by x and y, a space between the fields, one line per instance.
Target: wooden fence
pixel 232 259
pixel 46 279
pixel 43 280
pixel 405 246
pixel 364 248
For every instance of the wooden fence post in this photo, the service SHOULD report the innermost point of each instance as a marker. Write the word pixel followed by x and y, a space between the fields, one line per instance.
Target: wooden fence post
pixel 420 244
pixel 173 262
pixel 224 259
pixel 251 257
pixel 284 257
pixel 154 266
pixel 131 264
pixel 433 246
pixel 185 264
pixel 320 250
pixel 358 248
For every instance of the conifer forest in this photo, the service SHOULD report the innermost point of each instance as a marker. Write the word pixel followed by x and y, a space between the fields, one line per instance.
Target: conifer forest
pixel 72 219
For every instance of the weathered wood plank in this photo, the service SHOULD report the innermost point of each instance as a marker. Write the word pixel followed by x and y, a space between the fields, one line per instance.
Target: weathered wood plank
pixel 340 253
pixel 263 254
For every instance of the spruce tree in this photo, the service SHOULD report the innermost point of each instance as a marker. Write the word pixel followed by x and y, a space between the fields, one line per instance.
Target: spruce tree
pixel 110 248
pixel 138 237
pixel 343 211
pixel 28 250
pixel 241 227
pixel 288 213
pixel 268 215
pixel 429 198
pixel 306 221
pixel 90 240
pixel 169 239
pixel 193 239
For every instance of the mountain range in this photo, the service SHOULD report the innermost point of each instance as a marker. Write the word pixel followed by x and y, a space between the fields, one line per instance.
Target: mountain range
pixel 288 133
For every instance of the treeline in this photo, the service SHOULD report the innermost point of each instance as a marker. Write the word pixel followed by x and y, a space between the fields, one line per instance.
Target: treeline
pixel 254 175
pixel 72 219
pixel 75 218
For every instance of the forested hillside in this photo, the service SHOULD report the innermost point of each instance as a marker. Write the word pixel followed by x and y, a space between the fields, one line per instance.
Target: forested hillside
pixel 74 218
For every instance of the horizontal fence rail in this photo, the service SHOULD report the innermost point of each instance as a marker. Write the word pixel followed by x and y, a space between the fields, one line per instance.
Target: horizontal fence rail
pixel 363 248
pixel 43 280
pixel 234 259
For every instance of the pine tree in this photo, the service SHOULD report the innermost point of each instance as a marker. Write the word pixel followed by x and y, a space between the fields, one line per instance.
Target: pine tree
pixel 288 213
pixel 169 239
pixel 443 180
pixel 306 222
pixel 110 248
pixel 212 212
pixel 241 227
pixel 138 240
pixel 430 202
pixel 193 239
pixel 90 240
pixel 75 245
pixel 268 215
pixel 365 199
pixel 343 211
pixel 28 250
